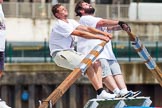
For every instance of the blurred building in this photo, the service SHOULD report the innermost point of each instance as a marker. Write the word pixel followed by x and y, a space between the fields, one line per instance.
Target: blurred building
pixel 67 1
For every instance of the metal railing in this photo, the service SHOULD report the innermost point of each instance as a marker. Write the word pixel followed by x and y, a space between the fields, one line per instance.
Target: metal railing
pixel 43 10
pixel 39 51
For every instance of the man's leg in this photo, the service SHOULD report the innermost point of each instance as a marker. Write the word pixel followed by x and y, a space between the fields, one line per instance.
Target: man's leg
pixel 92 76
pixel 120 81
pixel 123 88
pixel 116 71
pixel 118 77
pixel 97 84
pixel 114 79
pixel 108 79
pixel 98 69
pixel 71 59
pixel 110 82
pixel 1 63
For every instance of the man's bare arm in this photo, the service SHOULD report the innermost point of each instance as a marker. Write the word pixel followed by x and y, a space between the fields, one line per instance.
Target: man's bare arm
pixel 114 23
pixel 93 30
pixel 88 35
pixel 106 22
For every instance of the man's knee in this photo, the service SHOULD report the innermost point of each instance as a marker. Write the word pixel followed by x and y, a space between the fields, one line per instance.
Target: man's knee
pixel 97 63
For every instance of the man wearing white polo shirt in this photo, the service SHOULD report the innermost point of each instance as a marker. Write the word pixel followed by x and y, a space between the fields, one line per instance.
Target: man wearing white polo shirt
pixel 112 76
pixel 2 49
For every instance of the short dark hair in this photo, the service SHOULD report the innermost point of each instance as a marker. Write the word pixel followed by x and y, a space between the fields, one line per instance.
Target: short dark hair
pixel 78 7
pixel 54 9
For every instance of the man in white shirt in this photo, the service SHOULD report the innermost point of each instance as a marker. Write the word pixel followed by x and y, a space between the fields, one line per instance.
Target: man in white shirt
pixel 2 49
pixel 112 76
pixel 62 49
pixel 2 39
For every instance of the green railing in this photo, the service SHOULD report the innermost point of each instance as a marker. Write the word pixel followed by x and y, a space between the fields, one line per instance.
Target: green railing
pixel 39 51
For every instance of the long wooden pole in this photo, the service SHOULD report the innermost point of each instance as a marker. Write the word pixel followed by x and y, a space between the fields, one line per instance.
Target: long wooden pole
pixel 143 53
pixel 74 75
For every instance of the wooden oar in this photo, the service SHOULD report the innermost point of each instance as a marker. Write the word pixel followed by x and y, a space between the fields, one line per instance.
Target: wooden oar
pixel 143 53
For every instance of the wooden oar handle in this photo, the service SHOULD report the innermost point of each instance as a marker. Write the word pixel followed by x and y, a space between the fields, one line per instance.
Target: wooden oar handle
pixel 131 36
pixel 103 43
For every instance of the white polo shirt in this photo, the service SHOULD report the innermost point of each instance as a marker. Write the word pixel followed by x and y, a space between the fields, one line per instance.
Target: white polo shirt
pixel 2 30
pixel 86 45
pixel 61 38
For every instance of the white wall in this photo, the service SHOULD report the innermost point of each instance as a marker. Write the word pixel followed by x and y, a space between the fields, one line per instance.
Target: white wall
pixel 19 29
pixel 146 11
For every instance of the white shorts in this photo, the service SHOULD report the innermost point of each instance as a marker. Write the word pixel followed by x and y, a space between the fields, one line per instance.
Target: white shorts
pixel 68 59
pixel 110 67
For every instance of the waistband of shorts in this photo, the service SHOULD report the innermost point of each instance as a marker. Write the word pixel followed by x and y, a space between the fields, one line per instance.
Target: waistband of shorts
pixel 54 53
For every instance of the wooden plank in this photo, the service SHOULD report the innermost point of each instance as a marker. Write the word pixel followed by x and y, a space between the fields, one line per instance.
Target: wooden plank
pixel 32 96
pixel 59 103
pixel 17 99
pixel 72 95
pixel 4 91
